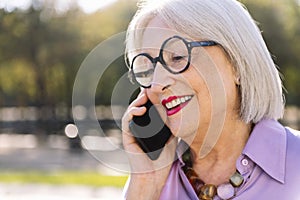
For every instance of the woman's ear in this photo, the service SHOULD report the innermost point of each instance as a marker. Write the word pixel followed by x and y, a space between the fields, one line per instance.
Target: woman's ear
pixel 237 80
pixel 237 77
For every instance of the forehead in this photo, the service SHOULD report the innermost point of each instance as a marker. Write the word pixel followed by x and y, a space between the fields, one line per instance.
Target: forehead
pixel 155 33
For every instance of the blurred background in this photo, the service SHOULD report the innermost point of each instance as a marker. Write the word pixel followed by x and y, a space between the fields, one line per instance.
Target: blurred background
pixel 42 44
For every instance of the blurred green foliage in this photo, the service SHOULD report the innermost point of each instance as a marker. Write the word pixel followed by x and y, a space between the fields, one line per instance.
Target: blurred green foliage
pixel 62 177
pixel 40 54
pixel 280 25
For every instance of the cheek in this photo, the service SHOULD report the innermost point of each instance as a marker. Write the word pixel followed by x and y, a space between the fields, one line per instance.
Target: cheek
pixel 197 113
pixel 202 92
pixel 205 106
pixel 209 93
pixel 186 123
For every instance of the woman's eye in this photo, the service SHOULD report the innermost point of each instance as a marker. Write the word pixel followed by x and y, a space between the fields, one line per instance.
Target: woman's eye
pixel 178 58
pixel 144 74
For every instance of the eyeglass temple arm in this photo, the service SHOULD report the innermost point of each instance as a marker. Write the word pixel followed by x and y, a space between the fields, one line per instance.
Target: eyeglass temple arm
pixel 202 43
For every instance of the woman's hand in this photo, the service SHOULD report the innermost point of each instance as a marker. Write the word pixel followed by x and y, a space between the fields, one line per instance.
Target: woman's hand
pixel 147 176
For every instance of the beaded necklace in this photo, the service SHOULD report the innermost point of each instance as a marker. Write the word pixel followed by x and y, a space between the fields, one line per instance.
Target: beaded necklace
pixel 209 191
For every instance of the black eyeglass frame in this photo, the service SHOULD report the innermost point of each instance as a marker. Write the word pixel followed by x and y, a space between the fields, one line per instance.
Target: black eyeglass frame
pixel 189 45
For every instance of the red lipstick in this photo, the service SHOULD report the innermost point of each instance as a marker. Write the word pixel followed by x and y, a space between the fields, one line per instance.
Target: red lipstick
pixel 174 104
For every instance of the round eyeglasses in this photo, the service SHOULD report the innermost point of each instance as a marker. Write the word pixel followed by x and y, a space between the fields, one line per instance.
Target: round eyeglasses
pixel 174 55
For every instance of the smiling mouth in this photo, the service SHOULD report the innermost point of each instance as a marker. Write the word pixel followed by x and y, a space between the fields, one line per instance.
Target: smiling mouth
pixel 174 104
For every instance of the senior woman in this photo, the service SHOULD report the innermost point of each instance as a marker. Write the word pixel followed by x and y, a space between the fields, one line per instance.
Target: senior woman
pixel 205 67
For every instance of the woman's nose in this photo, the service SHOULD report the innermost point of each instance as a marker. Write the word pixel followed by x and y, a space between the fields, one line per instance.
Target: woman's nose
pixel 162 79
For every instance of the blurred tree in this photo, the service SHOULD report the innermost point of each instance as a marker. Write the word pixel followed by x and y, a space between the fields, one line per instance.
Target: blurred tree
pixel 279 22
pixel 99 26
pixel 49 50
pixel 41 50
pixel 292 73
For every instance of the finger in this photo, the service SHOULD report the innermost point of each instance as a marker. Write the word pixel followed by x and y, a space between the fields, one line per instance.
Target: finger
pixel 142 91
pixel 127 117
pixel 134 109
pixel 140 100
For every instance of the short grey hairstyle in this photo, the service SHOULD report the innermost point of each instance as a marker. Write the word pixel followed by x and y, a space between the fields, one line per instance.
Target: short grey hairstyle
pixel 228 23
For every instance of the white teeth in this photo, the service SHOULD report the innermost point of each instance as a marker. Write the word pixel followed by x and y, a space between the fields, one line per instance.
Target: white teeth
pixel 177 102
pixel 174 103
pixel 169 105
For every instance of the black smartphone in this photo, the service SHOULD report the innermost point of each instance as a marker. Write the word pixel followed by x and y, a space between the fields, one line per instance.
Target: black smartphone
pixel 150 131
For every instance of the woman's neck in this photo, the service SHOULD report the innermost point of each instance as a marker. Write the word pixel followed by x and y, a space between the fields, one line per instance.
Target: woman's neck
pixel 220 163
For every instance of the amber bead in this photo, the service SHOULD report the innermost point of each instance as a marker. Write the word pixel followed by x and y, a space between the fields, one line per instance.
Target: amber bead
pixel 207 192
pixel 236 179
pixel 190 172
pixel 196 184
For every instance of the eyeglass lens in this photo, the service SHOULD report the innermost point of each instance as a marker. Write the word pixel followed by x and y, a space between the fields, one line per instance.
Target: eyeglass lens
pixel 174 56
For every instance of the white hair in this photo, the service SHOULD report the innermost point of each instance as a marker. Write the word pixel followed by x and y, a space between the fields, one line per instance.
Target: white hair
pixel 228 23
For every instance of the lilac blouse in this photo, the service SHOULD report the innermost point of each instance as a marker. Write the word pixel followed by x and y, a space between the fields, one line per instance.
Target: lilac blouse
pixel 269 163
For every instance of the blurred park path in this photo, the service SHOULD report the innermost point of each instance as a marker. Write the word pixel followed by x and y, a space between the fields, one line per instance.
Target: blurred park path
pixel 49 160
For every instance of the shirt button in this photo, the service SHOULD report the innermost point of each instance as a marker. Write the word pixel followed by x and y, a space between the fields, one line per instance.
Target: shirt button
pixel 245 162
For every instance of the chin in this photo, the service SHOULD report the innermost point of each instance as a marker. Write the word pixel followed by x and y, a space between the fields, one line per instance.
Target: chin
pixel 183 132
